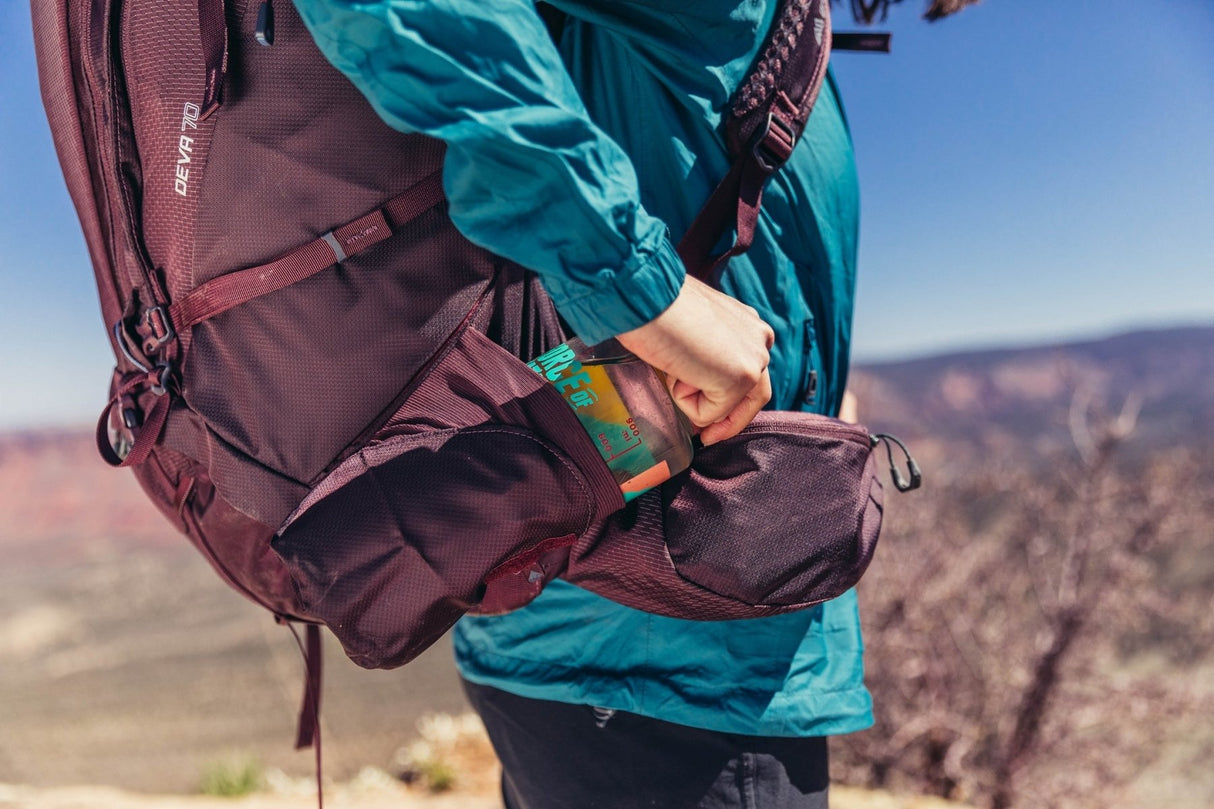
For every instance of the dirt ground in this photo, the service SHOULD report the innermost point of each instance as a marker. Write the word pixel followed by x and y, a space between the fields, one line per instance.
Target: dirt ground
pixel 335 798
pixel 355 796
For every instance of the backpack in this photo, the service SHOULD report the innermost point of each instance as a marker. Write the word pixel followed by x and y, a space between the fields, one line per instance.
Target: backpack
pixel 323 385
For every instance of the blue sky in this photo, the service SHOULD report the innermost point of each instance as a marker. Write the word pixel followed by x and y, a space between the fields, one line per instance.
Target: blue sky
pixel 1030 172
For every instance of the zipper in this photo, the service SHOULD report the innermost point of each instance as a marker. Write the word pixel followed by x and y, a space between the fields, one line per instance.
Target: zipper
pixel 810 397
pixel 777 422
pixel 809 393
pixel 122 124
pixel 119 167
pixel 901 483
pixel 95 20
pixel 811 424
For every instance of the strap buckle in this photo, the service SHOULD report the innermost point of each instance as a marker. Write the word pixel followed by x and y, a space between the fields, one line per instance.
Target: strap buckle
pixel 122 341
pixel 125 433
pixel 773 144
pixel 157 329
pixel 160 382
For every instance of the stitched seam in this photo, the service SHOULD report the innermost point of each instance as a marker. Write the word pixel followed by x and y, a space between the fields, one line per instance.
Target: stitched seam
pixel 555 452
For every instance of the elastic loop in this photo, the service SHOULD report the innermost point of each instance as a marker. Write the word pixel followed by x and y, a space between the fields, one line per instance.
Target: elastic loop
pixel 120 339
pixel 900 482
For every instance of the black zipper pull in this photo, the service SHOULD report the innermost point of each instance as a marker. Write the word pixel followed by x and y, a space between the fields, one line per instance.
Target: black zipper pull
pixel 900 482
pixel 265 23
pixel 811 389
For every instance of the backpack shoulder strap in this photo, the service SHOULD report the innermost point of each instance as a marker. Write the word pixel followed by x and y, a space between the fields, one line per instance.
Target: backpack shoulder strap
pixel 765 119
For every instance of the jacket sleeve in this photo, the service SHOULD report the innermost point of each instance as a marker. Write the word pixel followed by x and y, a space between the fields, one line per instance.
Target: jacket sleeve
pixel 527 174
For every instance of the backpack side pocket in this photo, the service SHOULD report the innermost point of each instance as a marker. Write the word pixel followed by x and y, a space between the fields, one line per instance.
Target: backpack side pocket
pixel 482 470
pixel 781 517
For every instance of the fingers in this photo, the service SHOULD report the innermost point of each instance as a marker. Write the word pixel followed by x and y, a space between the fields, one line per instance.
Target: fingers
pixel 722 416
pixel 741 415
pixel 744 394
pixel 714 351
pixel 713 423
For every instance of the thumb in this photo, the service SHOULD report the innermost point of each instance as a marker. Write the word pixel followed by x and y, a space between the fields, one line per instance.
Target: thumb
pixel 690 400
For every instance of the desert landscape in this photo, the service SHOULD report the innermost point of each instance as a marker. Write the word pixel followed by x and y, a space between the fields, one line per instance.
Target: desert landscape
pixel 1037 617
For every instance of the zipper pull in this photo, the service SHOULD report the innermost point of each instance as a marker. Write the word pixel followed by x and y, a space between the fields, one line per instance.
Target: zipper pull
pixel 900 482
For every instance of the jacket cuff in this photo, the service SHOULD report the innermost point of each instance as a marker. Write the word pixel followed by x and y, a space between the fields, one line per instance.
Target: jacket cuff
pixel 628 297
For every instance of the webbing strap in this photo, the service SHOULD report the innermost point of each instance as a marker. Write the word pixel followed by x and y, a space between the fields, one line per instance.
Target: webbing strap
pixel 144 435
pixel 769 112
pixel 308 733
pixel 863 41
pixel 222 293
pixel 736 202
pixel 213 34
pixel 737 198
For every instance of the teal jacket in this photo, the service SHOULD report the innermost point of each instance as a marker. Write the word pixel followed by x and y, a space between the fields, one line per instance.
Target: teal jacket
pixel 586 161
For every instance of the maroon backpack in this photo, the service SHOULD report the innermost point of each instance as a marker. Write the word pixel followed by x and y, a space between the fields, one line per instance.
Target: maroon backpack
pixel 319 380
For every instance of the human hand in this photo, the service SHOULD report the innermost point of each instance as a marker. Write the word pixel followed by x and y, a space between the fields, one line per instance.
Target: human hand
pixel 714 351
pixel 849 409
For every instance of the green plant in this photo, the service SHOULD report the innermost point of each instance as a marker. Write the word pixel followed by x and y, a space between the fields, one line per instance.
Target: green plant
pixel 439 775
pixel 232 777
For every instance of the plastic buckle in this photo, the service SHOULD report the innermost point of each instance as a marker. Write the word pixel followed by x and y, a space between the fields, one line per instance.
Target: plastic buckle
pixel 159 328
pixel 774 144
pixel 161 386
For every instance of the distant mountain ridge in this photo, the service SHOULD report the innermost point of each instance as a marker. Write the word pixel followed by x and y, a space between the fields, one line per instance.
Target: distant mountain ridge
pixel 1019 401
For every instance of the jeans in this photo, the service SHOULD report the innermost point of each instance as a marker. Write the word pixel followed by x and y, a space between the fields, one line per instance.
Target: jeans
pixel 560 756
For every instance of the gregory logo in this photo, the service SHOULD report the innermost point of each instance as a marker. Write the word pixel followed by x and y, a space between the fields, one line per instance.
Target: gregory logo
pixel 185 148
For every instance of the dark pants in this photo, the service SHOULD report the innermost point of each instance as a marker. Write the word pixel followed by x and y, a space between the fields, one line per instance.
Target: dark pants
pixel 559 756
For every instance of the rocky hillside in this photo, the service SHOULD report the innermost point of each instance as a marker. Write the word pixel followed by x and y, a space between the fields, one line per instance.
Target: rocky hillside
pixel 1021 404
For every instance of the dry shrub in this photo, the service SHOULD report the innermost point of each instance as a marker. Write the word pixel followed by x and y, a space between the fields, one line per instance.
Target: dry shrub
pixel 1037 637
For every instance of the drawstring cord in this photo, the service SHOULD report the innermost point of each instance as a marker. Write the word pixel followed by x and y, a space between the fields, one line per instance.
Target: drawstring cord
pixel 900 482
